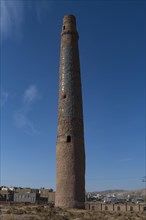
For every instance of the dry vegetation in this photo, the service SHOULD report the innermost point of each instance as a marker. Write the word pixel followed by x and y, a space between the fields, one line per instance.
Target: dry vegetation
pixel 45 213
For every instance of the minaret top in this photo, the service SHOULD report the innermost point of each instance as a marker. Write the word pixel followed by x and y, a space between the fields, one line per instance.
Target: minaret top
pixel 69 24
pixel 69 19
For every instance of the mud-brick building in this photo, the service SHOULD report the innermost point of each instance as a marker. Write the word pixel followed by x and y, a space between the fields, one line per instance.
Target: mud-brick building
pixel 47 196
pixel 30 197
pixel 26 195
pixel 6 195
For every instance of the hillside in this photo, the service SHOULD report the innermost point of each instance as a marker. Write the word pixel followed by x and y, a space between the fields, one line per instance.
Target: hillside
pixel 140 192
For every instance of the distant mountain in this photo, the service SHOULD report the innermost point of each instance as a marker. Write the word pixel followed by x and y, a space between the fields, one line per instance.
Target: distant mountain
pixel 140 192
pixel 109 191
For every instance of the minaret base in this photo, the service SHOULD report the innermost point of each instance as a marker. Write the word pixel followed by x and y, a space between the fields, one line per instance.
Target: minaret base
pixel 63 203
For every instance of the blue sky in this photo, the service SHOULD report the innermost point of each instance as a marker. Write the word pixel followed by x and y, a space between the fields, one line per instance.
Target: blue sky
pixel 112 56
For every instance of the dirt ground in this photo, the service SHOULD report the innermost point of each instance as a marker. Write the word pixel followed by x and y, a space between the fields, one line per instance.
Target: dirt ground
pixel 38 212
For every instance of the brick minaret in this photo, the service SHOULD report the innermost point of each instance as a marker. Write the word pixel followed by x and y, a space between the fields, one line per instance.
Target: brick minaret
pixel 70 153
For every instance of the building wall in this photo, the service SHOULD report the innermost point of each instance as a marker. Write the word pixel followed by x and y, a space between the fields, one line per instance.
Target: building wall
pixel 44 193
pixel 6 195
pixel 109 207
pixel 133 208
pixel 25 197
pixel 26 190
pixel 120 207
pixel 51 197
pixel 114 207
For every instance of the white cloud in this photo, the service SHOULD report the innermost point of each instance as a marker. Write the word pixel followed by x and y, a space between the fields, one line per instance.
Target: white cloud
pixel 31 94
pixel 13 13
pixel 11 16
pixel 21 116
pixel 22 121
pixel 4 98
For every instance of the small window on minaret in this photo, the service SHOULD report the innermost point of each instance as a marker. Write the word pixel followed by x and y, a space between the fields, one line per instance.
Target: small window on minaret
pixel 68 139
pixel 64 96
pixel 63 27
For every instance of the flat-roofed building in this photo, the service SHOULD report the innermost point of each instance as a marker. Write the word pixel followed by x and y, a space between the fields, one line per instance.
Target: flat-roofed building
pixel 31 197
pixel 46 195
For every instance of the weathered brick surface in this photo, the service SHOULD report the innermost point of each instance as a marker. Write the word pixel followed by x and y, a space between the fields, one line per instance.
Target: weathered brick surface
pixel 70 153
pixel 115 207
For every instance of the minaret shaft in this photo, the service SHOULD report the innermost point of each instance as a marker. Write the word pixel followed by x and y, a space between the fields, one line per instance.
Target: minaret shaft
pixel 70 153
